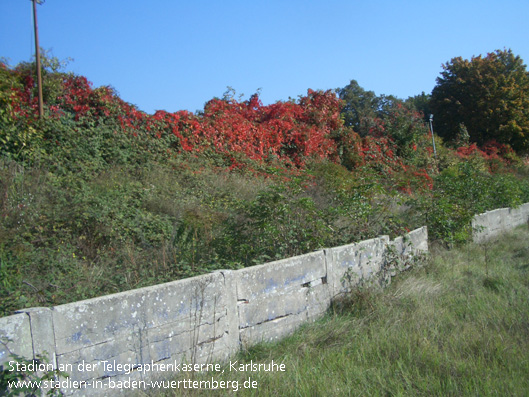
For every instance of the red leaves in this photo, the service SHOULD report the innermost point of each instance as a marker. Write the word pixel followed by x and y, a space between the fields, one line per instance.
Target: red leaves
pixel 286 132
pixel 466 151
pixel 290 132
pixel 380 152
pixel 491 150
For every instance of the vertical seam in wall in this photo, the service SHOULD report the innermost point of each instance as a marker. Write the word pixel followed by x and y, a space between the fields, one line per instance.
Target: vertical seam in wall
pixel 327 280
pixel 31 333
pixel 142 333
pixel 330 282
pixel 55 362
pixel 234 301
pixel 238 314
pixel 33 337
pixel 325 265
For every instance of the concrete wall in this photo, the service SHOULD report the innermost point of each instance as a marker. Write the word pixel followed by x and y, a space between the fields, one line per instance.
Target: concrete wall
pixel 493 223
pixel 200 319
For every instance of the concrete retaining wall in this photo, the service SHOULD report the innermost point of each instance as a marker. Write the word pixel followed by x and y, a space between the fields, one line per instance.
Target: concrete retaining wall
pixel 493 223
pixel 200 319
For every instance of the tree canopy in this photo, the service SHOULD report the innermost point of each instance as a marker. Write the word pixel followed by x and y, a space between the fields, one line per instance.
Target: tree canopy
pixel 486 96
pixel 359 107
pixel 364 110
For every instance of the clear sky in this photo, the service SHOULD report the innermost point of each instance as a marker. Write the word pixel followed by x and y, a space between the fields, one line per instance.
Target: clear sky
pixel 176 54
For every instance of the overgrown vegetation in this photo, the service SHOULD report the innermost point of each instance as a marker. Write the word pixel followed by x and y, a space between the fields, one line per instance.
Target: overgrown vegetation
pixel 456 326
pixel 98 197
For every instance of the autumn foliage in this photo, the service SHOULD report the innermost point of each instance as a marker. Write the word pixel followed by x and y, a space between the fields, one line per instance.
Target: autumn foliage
pixel 395 141
pixel 290 132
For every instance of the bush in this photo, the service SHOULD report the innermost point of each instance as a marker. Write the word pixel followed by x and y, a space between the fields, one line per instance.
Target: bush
pixel 462 191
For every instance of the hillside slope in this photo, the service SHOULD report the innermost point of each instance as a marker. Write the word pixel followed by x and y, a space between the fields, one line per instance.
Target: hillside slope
pixel 98 197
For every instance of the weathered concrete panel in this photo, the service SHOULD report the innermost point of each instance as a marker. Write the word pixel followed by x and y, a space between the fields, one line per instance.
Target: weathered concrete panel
pixel 100 320
pixel 15 337
pixel 95 357
pixel 495 222
pixel 41 322
pixel 402 253
pixel 280 276
pixel 273 298
pixel 177 339
pixel 318 298
pixel 95 321
pixel 352 264
pixel 416 241
pixel 182 320
pixel 267 308
pixel 272 330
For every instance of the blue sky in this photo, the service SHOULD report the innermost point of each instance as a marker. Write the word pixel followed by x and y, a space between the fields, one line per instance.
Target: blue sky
pixel 175 54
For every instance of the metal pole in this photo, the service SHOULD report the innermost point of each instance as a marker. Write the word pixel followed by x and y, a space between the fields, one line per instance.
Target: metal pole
pixel 37 56
pixel 433 140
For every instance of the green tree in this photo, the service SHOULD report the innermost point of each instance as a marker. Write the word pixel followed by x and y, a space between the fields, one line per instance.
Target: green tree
pixel 364 110
pixel 420 103
pixel 360 107
pixel 384 116
pixel 489 96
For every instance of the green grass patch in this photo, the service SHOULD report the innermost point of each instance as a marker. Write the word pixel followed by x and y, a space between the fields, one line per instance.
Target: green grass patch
pixel 457 326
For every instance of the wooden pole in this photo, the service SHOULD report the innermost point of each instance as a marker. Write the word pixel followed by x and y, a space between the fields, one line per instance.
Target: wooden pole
pixel 37 56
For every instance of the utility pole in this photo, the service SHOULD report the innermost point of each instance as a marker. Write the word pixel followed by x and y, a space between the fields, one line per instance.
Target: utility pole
pixel 37 56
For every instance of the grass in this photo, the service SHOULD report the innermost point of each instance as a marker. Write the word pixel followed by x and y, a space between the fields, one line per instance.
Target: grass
pixel 457 326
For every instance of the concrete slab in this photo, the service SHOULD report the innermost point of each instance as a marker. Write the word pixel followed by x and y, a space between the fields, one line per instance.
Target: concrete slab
pixel 15 338
pixel 353 264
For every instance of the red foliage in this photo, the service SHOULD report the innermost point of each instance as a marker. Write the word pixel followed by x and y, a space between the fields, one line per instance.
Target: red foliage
pixel 495 150
pixel 380 152
pixel 466 151
pixel 491 150
pixel 289 132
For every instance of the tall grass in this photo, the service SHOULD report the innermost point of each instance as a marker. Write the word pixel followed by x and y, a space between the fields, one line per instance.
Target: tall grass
pixel 457 326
